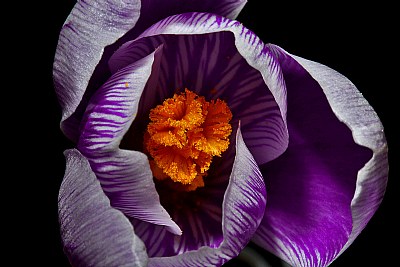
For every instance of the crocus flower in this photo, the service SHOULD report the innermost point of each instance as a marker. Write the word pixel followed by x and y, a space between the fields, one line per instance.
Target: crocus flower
pixel 193 138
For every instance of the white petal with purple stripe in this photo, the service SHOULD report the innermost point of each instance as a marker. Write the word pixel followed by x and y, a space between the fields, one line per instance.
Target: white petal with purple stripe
pixel 88 29
pixel 93 233
pixel 125 175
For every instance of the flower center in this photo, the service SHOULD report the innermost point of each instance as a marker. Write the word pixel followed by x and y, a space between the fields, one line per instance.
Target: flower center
pixel 183 136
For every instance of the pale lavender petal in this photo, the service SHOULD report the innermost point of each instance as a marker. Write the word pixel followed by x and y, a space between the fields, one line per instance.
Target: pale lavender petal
pixel 93 233
pixel 243 208
pixel 331 179
pixel 125 175
pixel 219 58
pixel 90 27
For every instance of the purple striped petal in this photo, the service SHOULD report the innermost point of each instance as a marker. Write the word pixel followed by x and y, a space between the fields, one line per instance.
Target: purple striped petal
pixel 219 58
pixel 243 207
pixel 330 181
pixel 88 29
pixel 93 233
pixel 159 241
pixel 154 10
pixel 125 175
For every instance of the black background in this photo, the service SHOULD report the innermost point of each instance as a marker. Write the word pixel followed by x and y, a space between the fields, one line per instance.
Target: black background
pixel 357 41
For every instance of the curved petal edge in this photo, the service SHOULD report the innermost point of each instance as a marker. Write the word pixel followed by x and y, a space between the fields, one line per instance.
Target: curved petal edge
pixel 93 233
pixel 353 109
pixel 125 175
pixel 89 28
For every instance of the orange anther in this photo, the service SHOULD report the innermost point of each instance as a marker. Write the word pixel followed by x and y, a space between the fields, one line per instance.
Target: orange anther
pixel 184 134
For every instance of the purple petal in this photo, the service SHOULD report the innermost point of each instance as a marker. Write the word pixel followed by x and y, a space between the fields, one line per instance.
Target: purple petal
pixel 125 175
pixel 90 27
pixel 93 233
pixel 352 108
pixel 243 208
pixel 326 186
pixel 219 58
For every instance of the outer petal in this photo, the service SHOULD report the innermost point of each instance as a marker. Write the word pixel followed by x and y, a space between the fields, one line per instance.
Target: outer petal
pixel 90 27
pixel 125 175
pixel 204 52
pixel 243 208
pixel 94 233
pixel 332 177
pixel 367 130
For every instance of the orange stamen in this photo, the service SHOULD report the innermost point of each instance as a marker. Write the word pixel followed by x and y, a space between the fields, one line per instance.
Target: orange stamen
pixel 184 134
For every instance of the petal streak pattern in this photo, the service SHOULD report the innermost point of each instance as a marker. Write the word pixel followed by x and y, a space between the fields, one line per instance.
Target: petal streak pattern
pixel 90 27
pixel 94 233
pixel 125 175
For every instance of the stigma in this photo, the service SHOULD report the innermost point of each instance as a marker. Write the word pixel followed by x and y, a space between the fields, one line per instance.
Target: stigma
pixel 185 132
